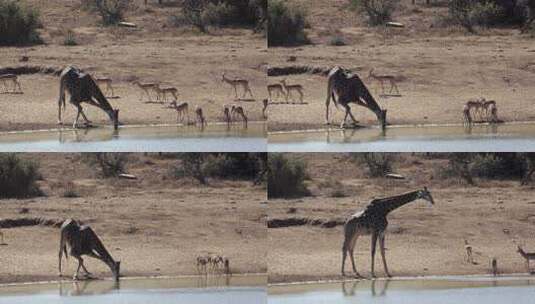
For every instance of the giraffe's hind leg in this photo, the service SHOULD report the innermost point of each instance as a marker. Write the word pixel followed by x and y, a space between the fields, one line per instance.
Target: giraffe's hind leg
pixel 352 255
pixel 80 265
pixel 374 245
pixel 382 248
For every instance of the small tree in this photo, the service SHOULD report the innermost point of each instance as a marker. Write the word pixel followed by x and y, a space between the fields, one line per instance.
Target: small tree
pixel 193 13
pixel 286 24
pixel 18 24
pixel 286 177
pixel 192 165
pixel 379 164
pixel 111 11
pixel 378 11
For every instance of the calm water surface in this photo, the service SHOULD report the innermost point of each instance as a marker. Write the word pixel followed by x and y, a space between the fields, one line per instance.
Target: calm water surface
pixel 214 138
pixel 441 291
pixel 249 290
pixel 487 138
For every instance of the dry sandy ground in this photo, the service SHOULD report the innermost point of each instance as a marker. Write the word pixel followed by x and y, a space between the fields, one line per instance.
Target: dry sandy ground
pixel 153 52
pixel 420 240
pixel 438 69
pixel 154 225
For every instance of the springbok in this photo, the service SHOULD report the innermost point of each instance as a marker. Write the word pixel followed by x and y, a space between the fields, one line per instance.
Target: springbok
pixel 238 82
pixel 275 88
pixel 101 81
pixel 145 87
pixel 382 79
pixel 181 110
pixel 526 255
pixel 200 116
pixel 294 87
pixel 5 78
pixel 264 108
pixel 164 91
pixel 238 110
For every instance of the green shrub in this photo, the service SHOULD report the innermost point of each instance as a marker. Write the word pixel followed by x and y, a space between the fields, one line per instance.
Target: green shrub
pixel 498 165
pixel 286 177
pixel 111 11
pixel 109 164
pixel 379 164
pixel 486 14
pixel 18 24
pixel 471 13
pixel 235 165
pixel 18 177
pixel 220 13
pixel 247 166
pixel 70 39
pixel 378 11
pixel 286 25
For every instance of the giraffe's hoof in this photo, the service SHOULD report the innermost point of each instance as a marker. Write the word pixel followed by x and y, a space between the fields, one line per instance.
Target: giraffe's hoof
pixel 388 275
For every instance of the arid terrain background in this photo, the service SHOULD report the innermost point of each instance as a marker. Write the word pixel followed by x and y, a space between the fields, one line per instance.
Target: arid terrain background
pixel 420 240
pixel 155 51
pixel 438 68
pixel 155 225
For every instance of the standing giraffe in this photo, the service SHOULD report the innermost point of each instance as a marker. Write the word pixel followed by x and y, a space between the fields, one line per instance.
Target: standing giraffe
pixel 350 88
pixel 372 221
pixel 83 88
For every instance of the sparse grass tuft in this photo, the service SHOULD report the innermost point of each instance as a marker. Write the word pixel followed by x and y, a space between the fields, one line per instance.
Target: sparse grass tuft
pixel 337 41
pixel 70 39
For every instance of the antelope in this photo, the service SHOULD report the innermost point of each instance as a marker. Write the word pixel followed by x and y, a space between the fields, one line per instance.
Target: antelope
pixel 145 87
pixel 265 105
pixel 526 255
pixel 164 91
pixel 468 249
pixel 200 116
pixel 201 264
pixel 494 266
pixel 227 113
pixel 467 117
pixel 238 82
pixel 277 88
pixel 105 81
pixel 294 87
pixel 14 79
pixel 476 105
pixel 383 78
pixel 238 110
pixel 181 110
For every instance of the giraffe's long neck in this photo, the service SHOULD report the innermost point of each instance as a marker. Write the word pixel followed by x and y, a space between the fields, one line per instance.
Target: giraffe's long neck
pixel 391 203
pixel 371 103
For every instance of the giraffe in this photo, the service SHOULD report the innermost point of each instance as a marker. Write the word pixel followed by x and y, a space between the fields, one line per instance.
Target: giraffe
pixel 372 221
pixel 350 88
pixel 82 240
pixel 83 88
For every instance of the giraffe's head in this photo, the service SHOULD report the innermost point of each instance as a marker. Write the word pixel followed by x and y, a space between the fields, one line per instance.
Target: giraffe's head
pixel 426 195
pixel 114 117
pixel 381 116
